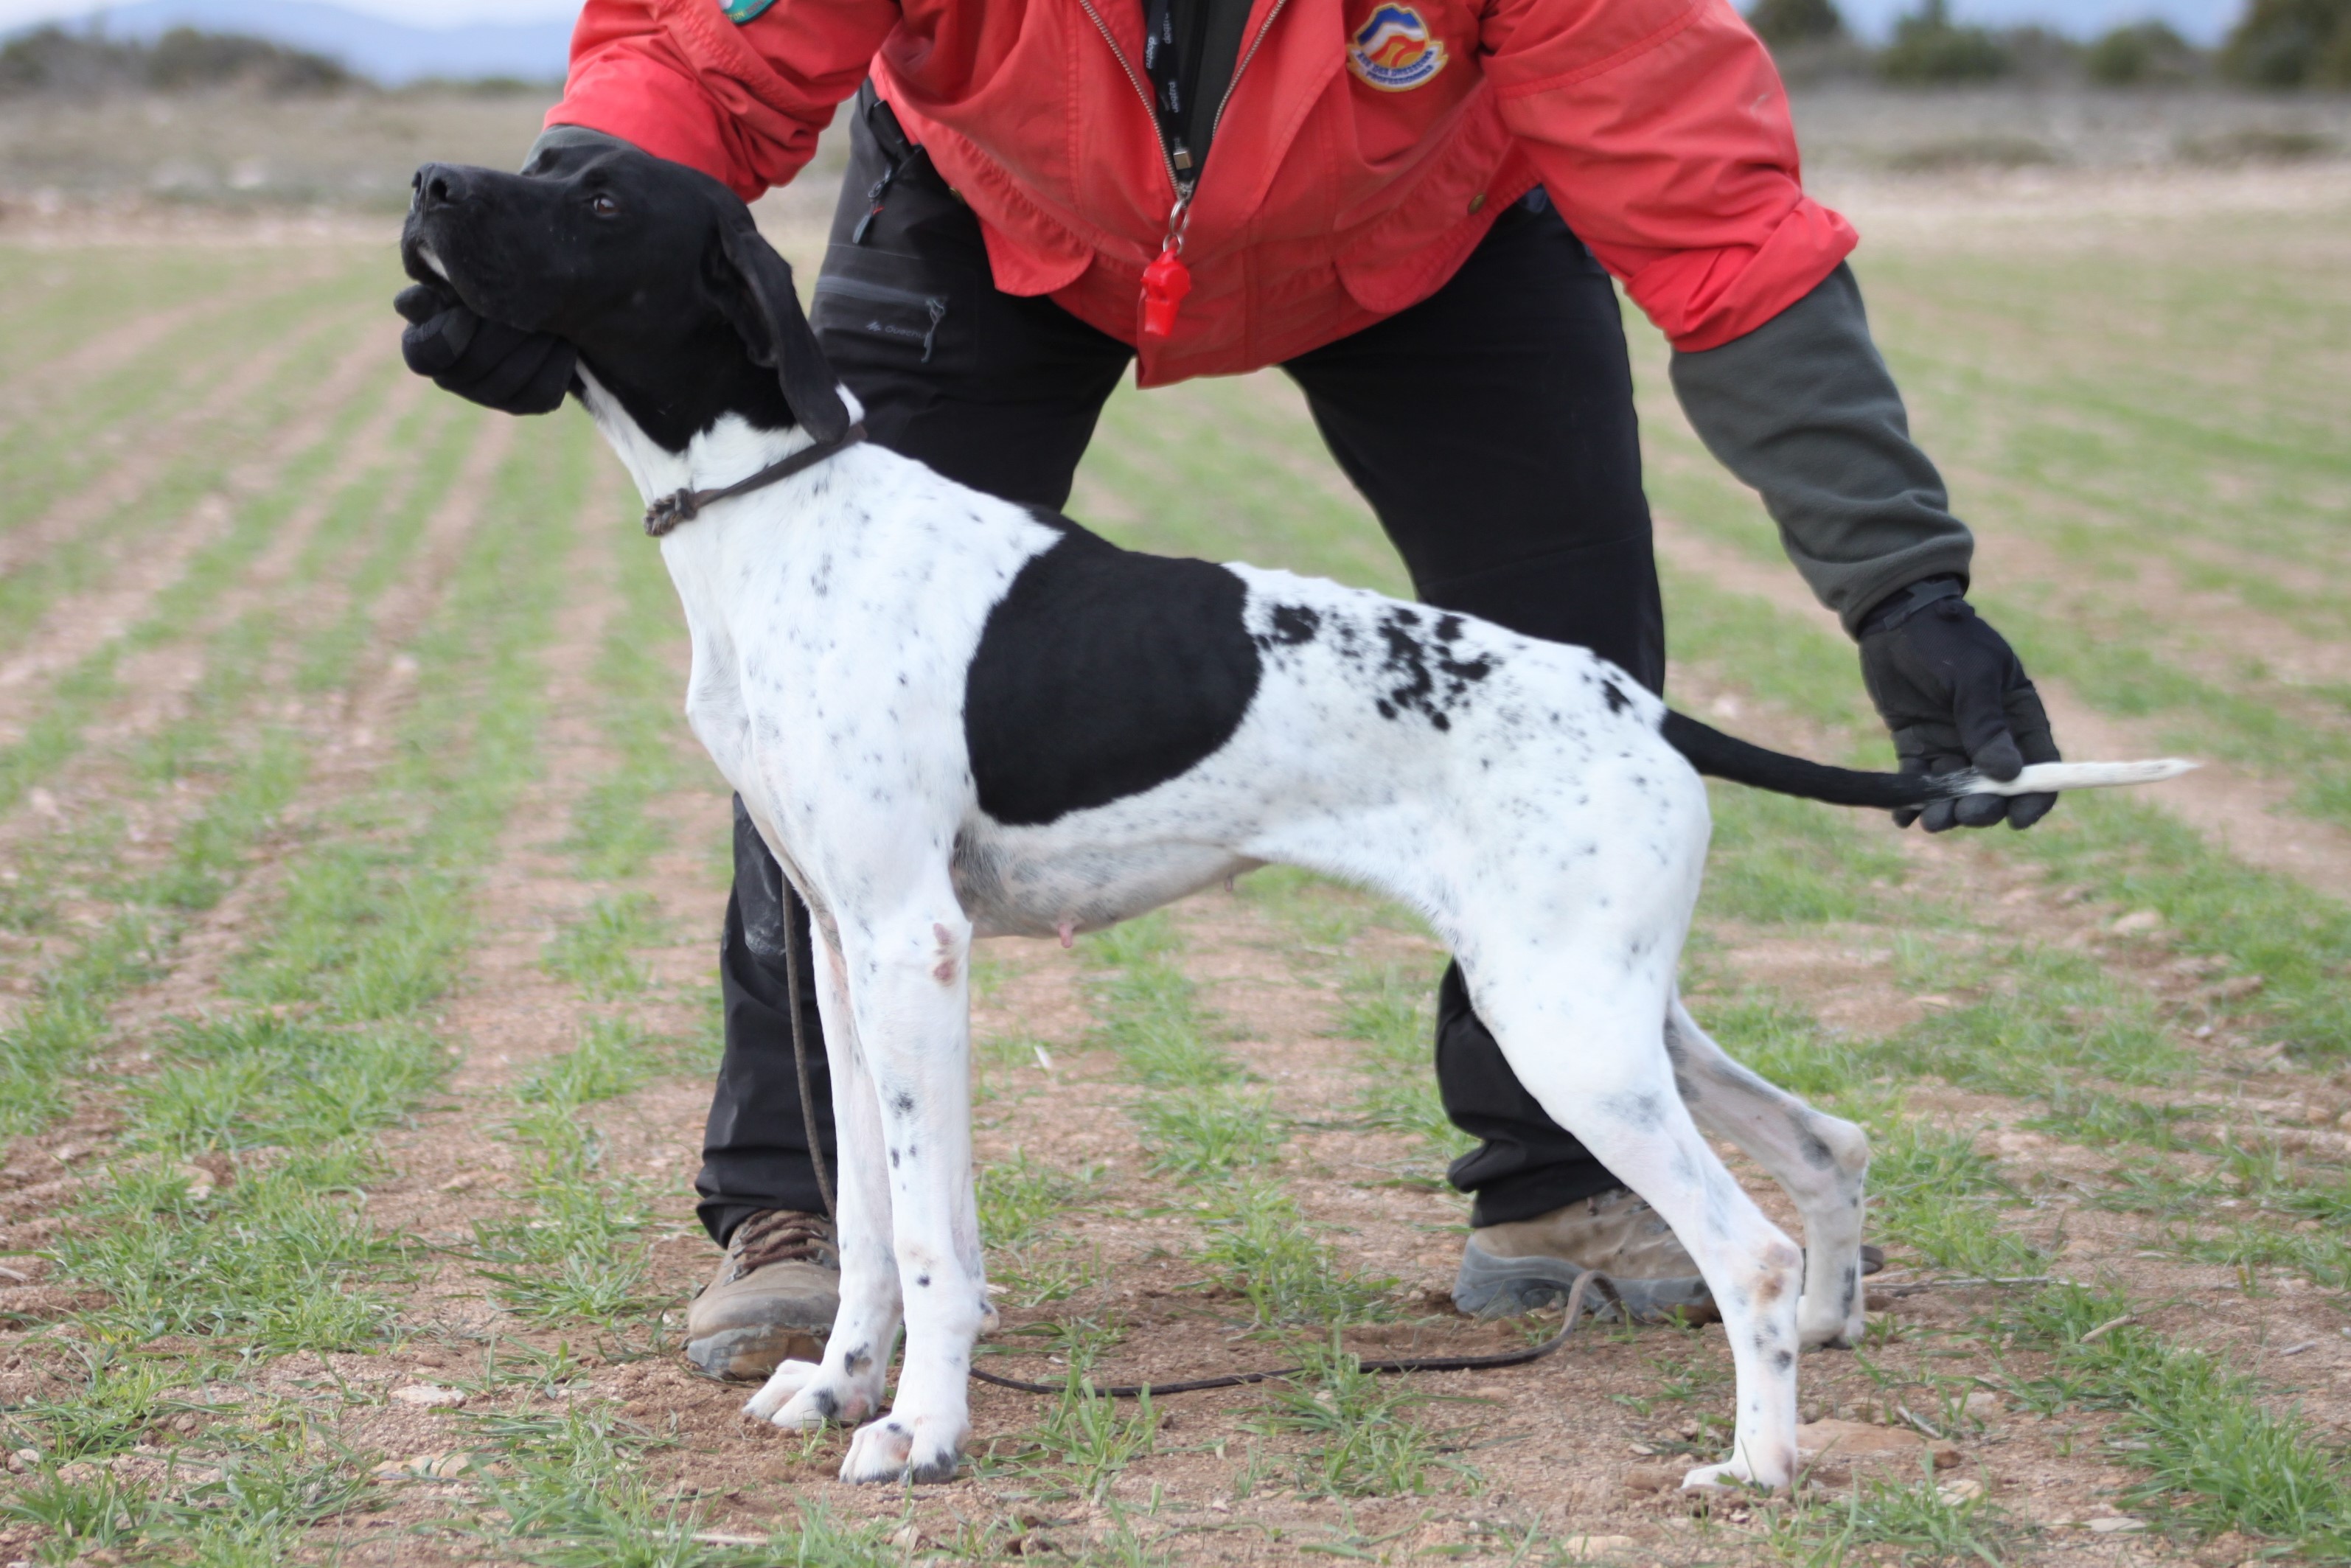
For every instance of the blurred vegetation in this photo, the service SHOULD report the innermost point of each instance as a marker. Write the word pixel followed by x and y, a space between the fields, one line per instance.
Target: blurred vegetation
pixel 2292 44
pixel 1930 47
pixel 2141 56
pixel 2279 44
pixel 1780 22
pixel 52 59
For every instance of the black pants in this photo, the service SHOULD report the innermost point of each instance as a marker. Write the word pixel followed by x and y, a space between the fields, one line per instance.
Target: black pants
pixel 1490 427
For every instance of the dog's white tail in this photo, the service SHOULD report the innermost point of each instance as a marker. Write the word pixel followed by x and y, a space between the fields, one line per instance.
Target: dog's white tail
pixel 2048 777
pixel 1726 756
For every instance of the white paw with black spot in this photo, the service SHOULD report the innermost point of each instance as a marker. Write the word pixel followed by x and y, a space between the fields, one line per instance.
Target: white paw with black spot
pixel 903 1448
pixel 804 1395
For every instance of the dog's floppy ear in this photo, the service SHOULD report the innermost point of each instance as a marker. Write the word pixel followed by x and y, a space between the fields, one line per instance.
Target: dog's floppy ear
pixel 767 313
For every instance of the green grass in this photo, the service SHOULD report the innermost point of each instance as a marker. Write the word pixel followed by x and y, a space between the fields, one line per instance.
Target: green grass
pixel 573 1494
pixel 1202 1125
pixel 2099 439
pixel 596 952
pixel 578 1253
pixel 1392 1019
pixel 2115 407
pixel 266 1247
pixel 616 827
pixel 1909 1520
pixel 251 779
pixel 1261 1249
pixel 1350 1433
pixel 2220 1454
pixel 1020 1198
pixel 1084 1442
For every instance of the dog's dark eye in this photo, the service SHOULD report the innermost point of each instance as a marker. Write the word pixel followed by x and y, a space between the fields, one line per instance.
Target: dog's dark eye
pixel 604 207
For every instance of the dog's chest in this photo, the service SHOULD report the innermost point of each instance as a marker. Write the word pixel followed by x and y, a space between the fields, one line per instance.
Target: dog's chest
pixel 833 627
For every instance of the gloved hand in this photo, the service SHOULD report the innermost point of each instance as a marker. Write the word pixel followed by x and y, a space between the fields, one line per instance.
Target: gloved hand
pixel 1951 690
pixel 493 364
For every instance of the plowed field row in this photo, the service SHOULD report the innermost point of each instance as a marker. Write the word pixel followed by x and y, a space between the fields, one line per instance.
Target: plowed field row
pixel 358 884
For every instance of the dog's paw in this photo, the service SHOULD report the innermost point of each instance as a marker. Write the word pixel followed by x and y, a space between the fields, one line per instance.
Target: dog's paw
pixel 899 1447
pixel 1837 1333
pixel 804 1395
pixel 786 1381
pixel 1733 1475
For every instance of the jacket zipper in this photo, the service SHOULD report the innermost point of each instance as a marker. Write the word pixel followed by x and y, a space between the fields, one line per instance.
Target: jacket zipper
pixel 1183 187
pixel 882 294
pixel 1247 55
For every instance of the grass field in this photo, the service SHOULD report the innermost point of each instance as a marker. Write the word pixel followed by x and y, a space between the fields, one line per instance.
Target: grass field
pixel 358 884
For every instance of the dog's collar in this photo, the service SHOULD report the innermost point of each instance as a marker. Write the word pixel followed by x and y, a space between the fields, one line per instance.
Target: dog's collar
pixel 684 505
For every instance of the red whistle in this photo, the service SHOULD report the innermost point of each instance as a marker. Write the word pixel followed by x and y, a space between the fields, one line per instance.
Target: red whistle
pixel 1164 284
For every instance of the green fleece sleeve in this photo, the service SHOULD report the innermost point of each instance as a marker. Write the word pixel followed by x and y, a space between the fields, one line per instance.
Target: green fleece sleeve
pixel 1803 410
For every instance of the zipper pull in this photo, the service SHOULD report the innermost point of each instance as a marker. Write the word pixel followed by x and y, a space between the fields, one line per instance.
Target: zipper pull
pixel 874 198
pixel 1166 280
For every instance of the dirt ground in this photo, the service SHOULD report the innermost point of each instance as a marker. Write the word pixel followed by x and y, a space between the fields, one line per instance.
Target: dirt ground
pixel 431 1419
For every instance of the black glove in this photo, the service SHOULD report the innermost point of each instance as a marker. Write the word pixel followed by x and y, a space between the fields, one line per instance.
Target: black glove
pixel 493 364
pixel 1951 690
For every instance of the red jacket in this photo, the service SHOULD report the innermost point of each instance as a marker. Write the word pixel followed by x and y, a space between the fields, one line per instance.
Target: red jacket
pixel 1366 148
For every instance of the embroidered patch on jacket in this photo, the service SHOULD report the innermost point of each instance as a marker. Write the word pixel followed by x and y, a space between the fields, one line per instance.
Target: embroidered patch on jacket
pixel 1392 50
pixel 740 11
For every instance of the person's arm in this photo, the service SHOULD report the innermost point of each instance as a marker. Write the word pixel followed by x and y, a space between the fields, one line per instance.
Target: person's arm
pixel 1803 410
pixel 1662 132
pixel 742 100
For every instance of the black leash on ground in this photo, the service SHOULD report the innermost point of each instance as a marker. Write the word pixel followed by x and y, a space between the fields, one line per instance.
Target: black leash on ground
pixel 1590 1280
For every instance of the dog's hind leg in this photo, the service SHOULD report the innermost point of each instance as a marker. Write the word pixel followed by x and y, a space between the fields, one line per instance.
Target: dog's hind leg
pixel 846 1386
pixel 1583 1033
pixel 1821 1160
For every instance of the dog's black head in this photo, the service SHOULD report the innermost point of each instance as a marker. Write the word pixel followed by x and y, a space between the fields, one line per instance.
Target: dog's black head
pixel 653 271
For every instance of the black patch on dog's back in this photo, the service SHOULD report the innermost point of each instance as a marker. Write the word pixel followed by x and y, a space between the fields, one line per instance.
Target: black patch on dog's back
pixel 1100 674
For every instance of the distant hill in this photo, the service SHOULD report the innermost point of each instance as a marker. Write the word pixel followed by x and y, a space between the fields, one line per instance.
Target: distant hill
pixel 386 51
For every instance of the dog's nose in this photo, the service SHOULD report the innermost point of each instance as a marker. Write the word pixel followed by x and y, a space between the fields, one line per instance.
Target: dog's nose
pixel 438 186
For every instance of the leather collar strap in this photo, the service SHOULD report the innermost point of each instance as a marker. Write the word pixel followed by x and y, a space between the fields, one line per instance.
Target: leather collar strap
pixel 684 505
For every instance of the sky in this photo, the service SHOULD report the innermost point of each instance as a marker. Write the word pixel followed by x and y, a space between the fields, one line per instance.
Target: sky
pixel 2203 20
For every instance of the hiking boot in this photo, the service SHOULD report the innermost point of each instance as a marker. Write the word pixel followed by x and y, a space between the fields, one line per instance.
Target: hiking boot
pixel 772 1300
pixel 1530 1263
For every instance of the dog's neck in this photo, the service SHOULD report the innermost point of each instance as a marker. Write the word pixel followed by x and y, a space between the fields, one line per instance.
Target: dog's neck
pixel 732 448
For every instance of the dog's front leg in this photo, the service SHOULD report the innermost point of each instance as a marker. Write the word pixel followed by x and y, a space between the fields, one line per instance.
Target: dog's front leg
pixel 846 1386
pixel 909 986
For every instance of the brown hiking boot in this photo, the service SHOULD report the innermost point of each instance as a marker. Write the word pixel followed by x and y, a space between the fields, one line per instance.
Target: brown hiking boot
pixel 1516 1268
pixel 772 1300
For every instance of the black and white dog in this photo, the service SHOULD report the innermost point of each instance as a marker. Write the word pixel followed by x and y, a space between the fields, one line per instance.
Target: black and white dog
pixel 952 717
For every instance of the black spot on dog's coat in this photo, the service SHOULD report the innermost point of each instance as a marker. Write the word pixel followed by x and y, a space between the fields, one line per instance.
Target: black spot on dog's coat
pixel 1295 624
pixel 1428 680
pixel 1617 701
pixel 1103 674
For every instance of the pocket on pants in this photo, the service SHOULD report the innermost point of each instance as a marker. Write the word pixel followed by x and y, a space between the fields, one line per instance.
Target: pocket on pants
pixel 873 306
